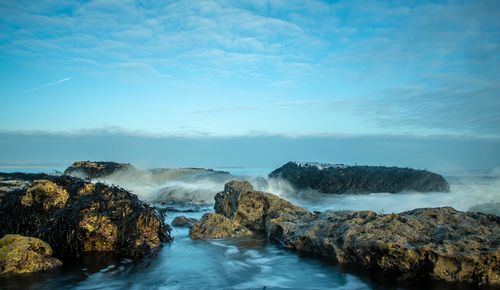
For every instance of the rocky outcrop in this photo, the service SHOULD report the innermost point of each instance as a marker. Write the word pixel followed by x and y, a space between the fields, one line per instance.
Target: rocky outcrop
pixel 76 216
pixel 184 222
pixel 340 179
pixel 239 211
pixel 19 254
pixel 217 226
pixel 93 170
pixel 431 243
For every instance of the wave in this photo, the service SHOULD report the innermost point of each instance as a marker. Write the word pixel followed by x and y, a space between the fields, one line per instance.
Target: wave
pixel 199 186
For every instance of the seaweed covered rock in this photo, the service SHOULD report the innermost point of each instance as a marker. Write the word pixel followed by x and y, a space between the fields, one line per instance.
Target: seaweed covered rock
pixel 239 206
pixel 93 170
pixel 76 216
pixel 19 254
pixel 217 226
pixel 184 222
pixel 340 179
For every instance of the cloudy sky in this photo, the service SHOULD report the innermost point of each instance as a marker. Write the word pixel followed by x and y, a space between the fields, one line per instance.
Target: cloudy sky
pixel 246 68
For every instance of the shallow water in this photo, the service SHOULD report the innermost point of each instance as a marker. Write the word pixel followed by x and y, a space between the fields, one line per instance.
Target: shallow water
pixel 252 263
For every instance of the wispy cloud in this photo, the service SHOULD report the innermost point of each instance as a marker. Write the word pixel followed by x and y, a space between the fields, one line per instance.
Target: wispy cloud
pixel 48 85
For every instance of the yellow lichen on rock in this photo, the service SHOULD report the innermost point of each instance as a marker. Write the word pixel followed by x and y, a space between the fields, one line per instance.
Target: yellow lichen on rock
pixel 100 233
pixel 46 194
pixel 20 254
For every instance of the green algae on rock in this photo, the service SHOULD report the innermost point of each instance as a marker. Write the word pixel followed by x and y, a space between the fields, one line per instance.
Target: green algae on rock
pixel 19 254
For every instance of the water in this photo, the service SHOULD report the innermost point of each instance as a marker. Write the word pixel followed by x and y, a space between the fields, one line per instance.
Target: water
pixel 254 262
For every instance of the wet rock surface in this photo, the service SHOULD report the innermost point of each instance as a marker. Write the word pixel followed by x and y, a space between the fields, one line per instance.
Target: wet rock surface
pixel 430 243
pixel 76 216
pixel 184 222
pixel 19 254
pixel 240 210
pixel 339 178
pixel 93 169
pixel 488 208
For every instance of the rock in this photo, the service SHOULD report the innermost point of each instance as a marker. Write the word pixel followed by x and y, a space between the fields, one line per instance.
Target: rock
pixel 217 226
pixel 436 243
pixel 240 206
pixel 184 222
pixel 430 243
pixel 45 194
pixel 488 208
pixel 19 254
pixel 76 216
pixel 340 179
pixel 93 170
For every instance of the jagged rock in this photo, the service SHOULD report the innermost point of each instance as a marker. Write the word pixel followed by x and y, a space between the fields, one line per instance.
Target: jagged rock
pixel 240 205
pixel 437 243
pixel 93 170
pixel 339 178
pixel 76 216
pixel 19 254
pixel 184 222
pixel 216 226
pixel 431 243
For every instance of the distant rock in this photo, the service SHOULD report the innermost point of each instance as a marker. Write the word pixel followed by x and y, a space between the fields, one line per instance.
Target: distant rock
pixel 76 216
pixel 430 243
pixel 93 170
pixel 340 178
pixel 19 254
pixel 184 222
pixel 488 208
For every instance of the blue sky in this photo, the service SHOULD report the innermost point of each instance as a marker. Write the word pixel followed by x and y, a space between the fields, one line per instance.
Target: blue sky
pixel 251 68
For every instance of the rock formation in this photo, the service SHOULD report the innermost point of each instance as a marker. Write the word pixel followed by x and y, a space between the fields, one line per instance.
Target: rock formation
pixel 184 222
pixel 339 178
pixel 76 216
pixel 431 243
pixel 93 170
pixel 20 254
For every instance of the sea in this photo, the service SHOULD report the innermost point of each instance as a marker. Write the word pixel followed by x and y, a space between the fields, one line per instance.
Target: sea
pixel 250 263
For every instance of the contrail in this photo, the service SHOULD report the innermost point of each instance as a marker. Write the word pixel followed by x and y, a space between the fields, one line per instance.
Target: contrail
pixel 48 85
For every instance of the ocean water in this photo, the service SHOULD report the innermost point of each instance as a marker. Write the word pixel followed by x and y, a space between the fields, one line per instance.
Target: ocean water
pixel 252 263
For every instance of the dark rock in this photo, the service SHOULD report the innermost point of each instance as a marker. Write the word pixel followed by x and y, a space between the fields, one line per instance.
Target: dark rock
pixel 184 222
pixel 431 243
pixel 20 254
pixel 76 216
pixel 93 170
pixel 339 179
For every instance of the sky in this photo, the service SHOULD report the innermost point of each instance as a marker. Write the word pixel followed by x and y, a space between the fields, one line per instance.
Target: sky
pixel 251 68
pixel 406 83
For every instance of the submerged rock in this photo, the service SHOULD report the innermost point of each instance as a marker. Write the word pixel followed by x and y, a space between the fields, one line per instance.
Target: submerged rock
pixel 432 243
pixel 339 178
pixel 93 170
pixel 76 216
pixel 19 254
pixel 184 222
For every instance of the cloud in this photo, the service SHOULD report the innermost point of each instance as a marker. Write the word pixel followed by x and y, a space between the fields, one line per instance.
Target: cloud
pixel 48 85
